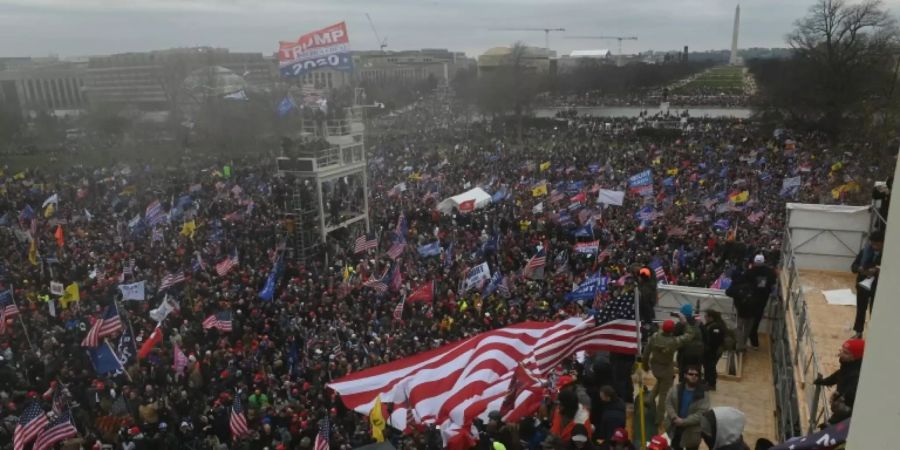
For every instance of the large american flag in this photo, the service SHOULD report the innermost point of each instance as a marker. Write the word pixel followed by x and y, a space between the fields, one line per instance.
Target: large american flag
pixel 225 266
pixel 365 242
pixel 237 421
pixel 58 430
pixel 108 324
pixel 221 320
pixel 452 385
pixel 32 421
pixel 396 250
pixel 324 435
pixel 8 308
pixel 537 262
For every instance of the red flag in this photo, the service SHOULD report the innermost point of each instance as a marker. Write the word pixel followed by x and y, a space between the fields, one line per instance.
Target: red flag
pixel 423 293
pixel 467 206
pixel 59 236
pixel 579 198
pixel 155 338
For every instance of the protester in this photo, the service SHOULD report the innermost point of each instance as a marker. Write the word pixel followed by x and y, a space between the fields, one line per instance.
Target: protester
pixel 659 353
pixel 618 441
pixel 685 406
pixel 722 428
pixel 716 339
pixel 751 291
pixel 867 267
pixel 845 379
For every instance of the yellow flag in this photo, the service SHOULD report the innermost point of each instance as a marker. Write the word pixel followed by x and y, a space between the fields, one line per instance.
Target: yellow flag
pixel 376 419
pixel 539 191
pixel 740 197
pixel 346 273
pixel 656 161
pixel 129 190
pixel 545 165
pixel 32 253
pixel 70 295
pixel 49 210
pixel 672 171
pixel 415 176
pixel 187 230
pixel 19 176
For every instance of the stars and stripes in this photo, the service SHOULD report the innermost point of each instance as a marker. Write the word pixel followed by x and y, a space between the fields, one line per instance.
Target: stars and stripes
pixel 396 250
pixel 365 242
pixel 8 308
pixel 448 385
pixel 237 421
pixel 171 280
pixel 535 264
pixel 58 430
pixel 220 321
pixel 107 325
pixel 398 311
pixel 31 422
pixel 225 266
pixel 377 284
pixel 324 435
pixel 154 214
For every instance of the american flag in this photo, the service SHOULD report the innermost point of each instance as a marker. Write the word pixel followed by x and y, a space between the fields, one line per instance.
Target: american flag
pixel 448 389
pixel 225 266
pixel 237 421
pixel 365 242
pixel 401 229
pixel 8 308
pixel 220 320
pixel 396 250
pixel 109 324
pixel 58 430
pixel 129 267
pixel 324 435
pixel 377 284
pixel 171 280
pixel 154 214
pixel 537 262
pixel 658 269
pixel 32 420
pixel 398 311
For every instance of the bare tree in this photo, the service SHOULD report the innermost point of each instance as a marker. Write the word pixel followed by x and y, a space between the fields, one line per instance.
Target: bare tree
pixel 847 48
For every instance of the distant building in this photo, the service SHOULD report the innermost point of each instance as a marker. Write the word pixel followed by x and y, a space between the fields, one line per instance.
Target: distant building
pixel 51 86
pixel 535 59
pixel 567 63
pixel 409 65
pixel 152 81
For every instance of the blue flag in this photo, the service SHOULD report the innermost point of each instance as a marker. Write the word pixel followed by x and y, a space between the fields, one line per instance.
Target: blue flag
pixel 432 249
pixel 268 291
pixel 105 360
pixel 448 256
pixel 285 106
pixel 493 284
pixel 586 290
pixel 499 196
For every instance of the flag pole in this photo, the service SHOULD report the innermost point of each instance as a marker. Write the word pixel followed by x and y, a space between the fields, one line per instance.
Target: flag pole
pixel 639 367
pixel 12 296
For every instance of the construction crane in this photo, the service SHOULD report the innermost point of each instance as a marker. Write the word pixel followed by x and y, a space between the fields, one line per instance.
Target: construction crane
pixel 618 38
pixel 382 44
pixel 545 30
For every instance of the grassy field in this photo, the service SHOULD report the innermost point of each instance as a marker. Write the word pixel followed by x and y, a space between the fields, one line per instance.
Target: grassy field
pixel 721 79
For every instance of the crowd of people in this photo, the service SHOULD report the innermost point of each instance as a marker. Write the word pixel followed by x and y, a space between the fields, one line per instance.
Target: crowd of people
pixel 206 236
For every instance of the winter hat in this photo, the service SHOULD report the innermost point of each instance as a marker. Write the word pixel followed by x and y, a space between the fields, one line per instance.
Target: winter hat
pixel 687 310
pixel 620 435
pixel 658 442
pixel 668 326
pixel 856 347
pixel 759 259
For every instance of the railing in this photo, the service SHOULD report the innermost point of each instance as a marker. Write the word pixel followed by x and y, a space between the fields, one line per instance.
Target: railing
pixel 805 358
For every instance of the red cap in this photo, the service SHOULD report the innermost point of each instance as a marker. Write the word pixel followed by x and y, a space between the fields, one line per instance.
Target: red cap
pixel 856 347
pixel 564 380
pixel 620 436
pixel 134 430
pixel 658 442
pixel 645 272
pixel 668 326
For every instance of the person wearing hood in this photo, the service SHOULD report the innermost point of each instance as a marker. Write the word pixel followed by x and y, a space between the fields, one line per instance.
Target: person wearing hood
pixel 722 428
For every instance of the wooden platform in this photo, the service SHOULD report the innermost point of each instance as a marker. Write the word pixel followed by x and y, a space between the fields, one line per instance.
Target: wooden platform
pixel 752 393
pixel 831 324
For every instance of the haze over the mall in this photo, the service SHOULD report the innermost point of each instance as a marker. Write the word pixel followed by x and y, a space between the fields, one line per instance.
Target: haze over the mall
pixel 86 27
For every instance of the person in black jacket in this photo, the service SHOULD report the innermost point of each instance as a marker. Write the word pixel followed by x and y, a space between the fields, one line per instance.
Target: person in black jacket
pixel 714 331
pixel 757 283
pixel 867 265
pixel 612 414
pixel 846 378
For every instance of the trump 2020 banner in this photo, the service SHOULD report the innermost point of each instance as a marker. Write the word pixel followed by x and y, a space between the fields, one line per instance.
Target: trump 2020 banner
pixel 325 48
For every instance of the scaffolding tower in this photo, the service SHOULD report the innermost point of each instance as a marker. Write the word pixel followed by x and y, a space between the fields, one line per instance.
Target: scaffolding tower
pixel 329 187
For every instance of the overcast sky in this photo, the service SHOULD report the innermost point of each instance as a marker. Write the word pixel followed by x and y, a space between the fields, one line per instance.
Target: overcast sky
pixel 88 27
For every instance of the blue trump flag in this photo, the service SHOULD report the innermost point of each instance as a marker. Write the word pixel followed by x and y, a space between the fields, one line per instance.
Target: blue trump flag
pixel 268 291
pixel 105 360
pixel 127 347
pixel 586 290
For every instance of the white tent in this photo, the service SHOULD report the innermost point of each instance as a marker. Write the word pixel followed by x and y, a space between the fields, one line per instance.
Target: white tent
pixel 827 237
pixel 481 198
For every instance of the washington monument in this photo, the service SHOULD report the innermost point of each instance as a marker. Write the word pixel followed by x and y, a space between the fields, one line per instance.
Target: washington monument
pixel 734 36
